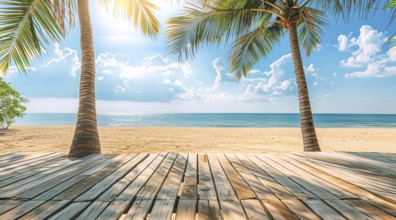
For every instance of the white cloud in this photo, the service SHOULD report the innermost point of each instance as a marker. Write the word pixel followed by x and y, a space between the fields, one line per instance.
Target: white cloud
pixel 119 64
pixel 66 55
pixel 274 84
pixel 374 70
pixel 369 44
pixel 219 68
pixel 314 73
pixel 342 43
pixel 367 54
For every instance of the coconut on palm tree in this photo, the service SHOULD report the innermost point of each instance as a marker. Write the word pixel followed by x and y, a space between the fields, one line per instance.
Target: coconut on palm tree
pixel 255 27
pixel 27 26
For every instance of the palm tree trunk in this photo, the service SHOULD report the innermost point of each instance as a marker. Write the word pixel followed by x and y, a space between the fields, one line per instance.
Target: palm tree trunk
pixel 310 140
pixel 86 137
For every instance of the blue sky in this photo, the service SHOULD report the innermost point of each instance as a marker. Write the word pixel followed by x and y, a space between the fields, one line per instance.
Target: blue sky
pixel 354 71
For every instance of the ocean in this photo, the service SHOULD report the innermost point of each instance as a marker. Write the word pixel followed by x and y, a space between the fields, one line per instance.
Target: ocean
pixel 252 120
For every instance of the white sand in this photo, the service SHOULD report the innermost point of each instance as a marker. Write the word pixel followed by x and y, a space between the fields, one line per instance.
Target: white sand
pixel 175 139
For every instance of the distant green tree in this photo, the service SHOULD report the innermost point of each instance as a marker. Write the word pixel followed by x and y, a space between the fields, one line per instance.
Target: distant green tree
pixel 11 104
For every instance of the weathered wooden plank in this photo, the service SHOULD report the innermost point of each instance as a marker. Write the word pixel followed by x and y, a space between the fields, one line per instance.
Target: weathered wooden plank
pixel 186 209
pixel 139 209
pixel 71 211
pixel 283 179
pixel 45 210
pixel 26 159
pixel 267 182
pixel 36 180
pixel 223 186
pixel 31 171
pixel 367 161
pixel 189 189
pixel 374 156
pixel 310 183
pixel 360 170
pixel 111 193
pixel 345 181
pixel 323 210
pixel 206 186
pixel 12 158
pixel 85 184
pixel 369 210
pixel 232 209
pixel 278 210
pixel 114 210
pixel 386 206
pixel 300 209
pixel 241 188
pixel 172 182
pixel 254 210
pixel 129 193
pixel 260 191
pixel 315 184
pixel 166 198
pixel 152 187
pixel 21 210
pixel 346 209
pixel 105 183
pixel 8 205
pixel 28 163
pixel 51 188
pixel 93 210
pixel 351 177
pixel 9 156
pixel 208 210
pixel 162 209
pixel 145 198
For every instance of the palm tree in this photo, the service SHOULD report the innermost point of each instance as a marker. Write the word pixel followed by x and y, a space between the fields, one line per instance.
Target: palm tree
pixel 27 26
pixel 254 27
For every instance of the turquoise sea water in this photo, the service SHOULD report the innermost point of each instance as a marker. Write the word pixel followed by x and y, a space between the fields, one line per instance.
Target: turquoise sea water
pixel 216 120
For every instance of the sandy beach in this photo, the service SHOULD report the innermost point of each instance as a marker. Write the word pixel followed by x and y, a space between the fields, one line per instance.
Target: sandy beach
pixel 115 140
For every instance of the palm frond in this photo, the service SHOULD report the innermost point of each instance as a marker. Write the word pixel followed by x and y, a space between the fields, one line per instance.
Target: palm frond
pixel 346 8
pixel 25 26
pixel 64 11
pixel 310 28
pixel 391 6
pixel 141 13
pixel 248 49
pixel 197 26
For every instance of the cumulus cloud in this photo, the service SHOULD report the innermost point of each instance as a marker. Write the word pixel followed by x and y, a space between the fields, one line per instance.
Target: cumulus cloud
pixel 272 82
pixel 314 72
pixel 366 52
pixel 119 64
pixel 369 44
pixel 66 55
pixel 373 70
pixel 342 43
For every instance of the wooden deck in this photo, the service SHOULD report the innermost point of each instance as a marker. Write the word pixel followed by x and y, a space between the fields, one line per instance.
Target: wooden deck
pixel 199 186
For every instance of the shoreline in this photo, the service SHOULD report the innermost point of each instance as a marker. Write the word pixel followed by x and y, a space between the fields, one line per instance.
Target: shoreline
pixel 128 139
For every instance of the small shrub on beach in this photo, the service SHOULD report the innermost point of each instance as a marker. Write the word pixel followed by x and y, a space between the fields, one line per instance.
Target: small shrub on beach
pixel 11 104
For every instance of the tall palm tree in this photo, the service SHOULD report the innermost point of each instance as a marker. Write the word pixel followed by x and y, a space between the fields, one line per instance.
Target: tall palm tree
pixel 255 27
pixel 26 26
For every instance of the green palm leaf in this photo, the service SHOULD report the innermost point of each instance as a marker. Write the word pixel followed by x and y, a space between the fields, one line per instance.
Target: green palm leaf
pixel 310 28
pixel 197 26
pixel 25 26
pixel 248 49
